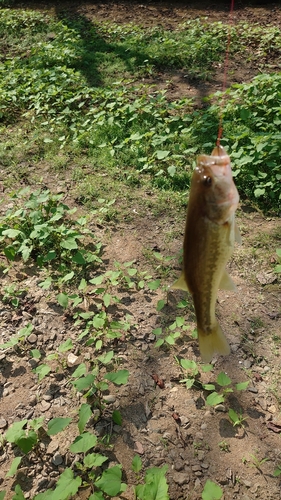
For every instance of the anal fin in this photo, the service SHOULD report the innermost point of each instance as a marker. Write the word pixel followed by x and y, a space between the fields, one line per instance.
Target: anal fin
pixel 226 282
pixel 180 284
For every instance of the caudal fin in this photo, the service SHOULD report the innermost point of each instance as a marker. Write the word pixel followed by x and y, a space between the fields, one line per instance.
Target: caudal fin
pixel 213 343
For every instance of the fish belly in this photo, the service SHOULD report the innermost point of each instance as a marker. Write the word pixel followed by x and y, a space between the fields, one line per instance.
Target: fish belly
pixel 207 248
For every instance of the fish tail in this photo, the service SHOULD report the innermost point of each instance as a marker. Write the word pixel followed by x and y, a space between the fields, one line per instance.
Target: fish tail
pixel 214 342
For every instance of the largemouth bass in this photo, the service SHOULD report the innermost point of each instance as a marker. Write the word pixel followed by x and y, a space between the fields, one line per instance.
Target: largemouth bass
pixel 209 237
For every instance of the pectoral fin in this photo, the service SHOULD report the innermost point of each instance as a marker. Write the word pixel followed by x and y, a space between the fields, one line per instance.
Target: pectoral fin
pixel 226 282
pixel 180 284
pixel 237 234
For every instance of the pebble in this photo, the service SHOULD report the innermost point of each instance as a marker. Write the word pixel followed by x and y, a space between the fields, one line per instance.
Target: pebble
pixel 109 398
pixel 3 423
pixel 181 478
pixel 72 360
pixel 33 400
pixel 57 459
pixel 45 405
pixel 138 448
pixel 179 465
pixel 247 363
pixel 32 338
pixel 196 468
pixel 200 455
pixel 253 389
pixel 220 408
pixel 52 447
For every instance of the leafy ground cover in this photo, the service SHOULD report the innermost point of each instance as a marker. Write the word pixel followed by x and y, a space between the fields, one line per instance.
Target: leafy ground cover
pixel 102 391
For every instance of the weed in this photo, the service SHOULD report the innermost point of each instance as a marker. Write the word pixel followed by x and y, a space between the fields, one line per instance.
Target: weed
pixel 224 446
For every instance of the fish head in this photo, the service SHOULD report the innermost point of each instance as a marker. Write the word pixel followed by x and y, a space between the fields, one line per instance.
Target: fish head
pixel 213 185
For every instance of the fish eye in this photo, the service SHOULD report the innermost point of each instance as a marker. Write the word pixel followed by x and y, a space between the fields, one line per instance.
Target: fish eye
pixel 207 181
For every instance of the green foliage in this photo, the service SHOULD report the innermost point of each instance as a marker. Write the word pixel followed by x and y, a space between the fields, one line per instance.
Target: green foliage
pixel 39 227
pixel 155 487
pixel 212 491
pixel 277 268
pixel 237 420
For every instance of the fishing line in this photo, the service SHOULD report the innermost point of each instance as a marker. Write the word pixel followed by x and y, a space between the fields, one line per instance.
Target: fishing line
pixel 225 72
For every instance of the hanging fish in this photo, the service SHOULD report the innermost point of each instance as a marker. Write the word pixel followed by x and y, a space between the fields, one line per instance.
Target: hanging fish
pixel 210 233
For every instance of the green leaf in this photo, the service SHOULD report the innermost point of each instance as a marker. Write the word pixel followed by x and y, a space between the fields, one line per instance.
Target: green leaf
pixel 214 399
pixel 234 417
pixel 276 473
pixel 206 368
pixel 80 370
pixel 136 464
pixel 65 346
pixel 242 386
pixel 2 494
pixel 110 481
pixel 117 417
pixel 106 299
pixel 106 358
pixel 10 252
pixel 223 379
pixel 84 382
pixel 78 258
pixel 85 413
pixel 11 233
pixel 94 460
pixel 160 305
pixel 155 487
pixel 42 371
pixel 83 443
pixel 119 378
pixel 209 387
pixel 67 277
pixel 18 493
pixel 160 155
pixel 97 495
pixel 56 425
pixel 172 170
pixel 62 299
pixel 15 431
pixel 157 331
pixel 26 443
pixel 14 467
pixel 69 244
pixel 35 354
pixel 212 491
pixel 67 486
pixel 153 285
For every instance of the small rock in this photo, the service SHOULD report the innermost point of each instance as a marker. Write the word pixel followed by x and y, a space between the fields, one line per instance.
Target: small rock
pixel 247 363
pixel 247 483
pixel 47 397
pixel 204 465
pixel 32 338
pixel 45 405
pixel 197 485
pixel 109 398
pixel 33 400
pixel 220 408
pixel 138 448
pixel 200 455
pixel 57 459
pixel 52 447
pixel 196 468
pixel 181 478
pixel 179 465
pixel 117 428
pixel 203 427
pixel 3 423
pixel 72 360
pixel 252 389
pixel 272 409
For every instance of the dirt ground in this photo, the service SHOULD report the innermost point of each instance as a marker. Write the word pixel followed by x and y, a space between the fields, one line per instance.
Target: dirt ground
pixel 170 424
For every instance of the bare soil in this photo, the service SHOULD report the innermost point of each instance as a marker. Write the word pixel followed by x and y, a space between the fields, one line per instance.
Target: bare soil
pixel 168 424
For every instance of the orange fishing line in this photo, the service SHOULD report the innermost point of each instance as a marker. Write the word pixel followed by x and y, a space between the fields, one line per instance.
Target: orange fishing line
pixel 225 72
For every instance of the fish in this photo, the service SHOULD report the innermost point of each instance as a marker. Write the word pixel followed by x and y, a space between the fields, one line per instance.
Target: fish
pixel 210 233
